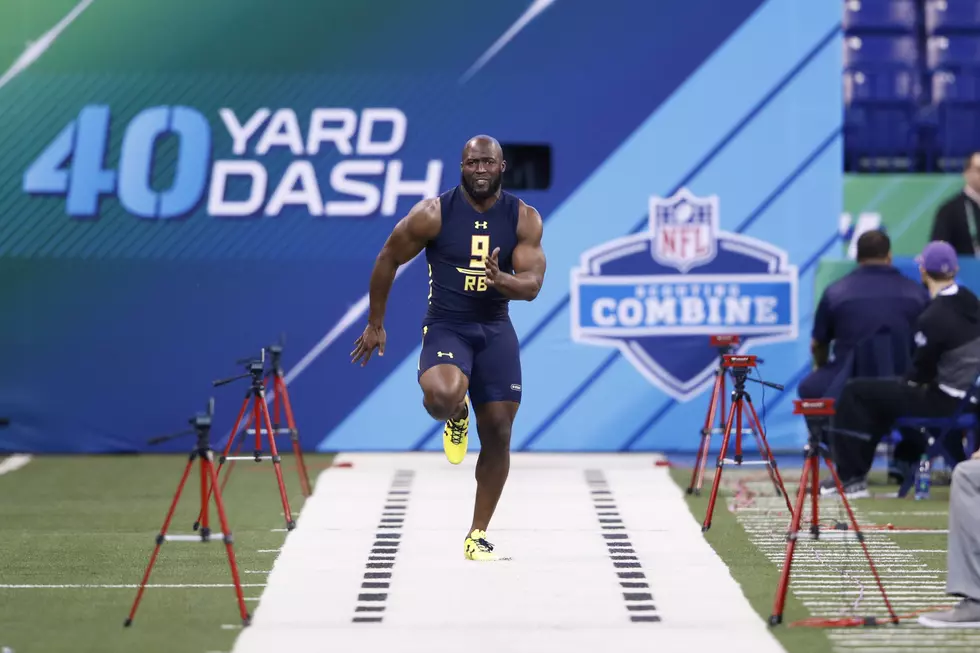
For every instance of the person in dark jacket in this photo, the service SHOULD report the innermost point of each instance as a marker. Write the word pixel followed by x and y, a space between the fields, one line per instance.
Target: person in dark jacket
pixel 945 363
pixel 873 296
pixel 957 220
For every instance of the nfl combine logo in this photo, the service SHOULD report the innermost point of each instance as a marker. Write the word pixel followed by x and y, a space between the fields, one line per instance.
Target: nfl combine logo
pixel 658 295
pixel 685 230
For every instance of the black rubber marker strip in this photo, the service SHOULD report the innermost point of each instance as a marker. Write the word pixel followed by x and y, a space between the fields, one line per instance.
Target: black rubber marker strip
pixel 639 605
pixel 384 548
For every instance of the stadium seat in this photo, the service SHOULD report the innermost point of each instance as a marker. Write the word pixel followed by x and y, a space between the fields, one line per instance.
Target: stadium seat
pixel 956 103
pixel 881 84
pixel 880 49
pixel 943 17
pixel 956 53
pixel 869 16
pixel 950 87
pixel 880 108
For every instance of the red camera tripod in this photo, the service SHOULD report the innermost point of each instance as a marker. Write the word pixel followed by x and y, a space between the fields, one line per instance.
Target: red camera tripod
pixel 209 478
pixel 811 475
pixel 739 366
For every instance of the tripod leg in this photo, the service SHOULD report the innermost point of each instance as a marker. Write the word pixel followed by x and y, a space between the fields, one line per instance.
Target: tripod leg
pixel 720 465
pixel 722 393
pixel 276 399
pixel 814 497
pixel 226 534
pixel 758 433
pixel 160 538
pixel 304 477
pixel 698 472
pixel 257 412
pixel 809 468
pixel 769 455
pixel 231 438
pixel 860 537
pixel 204 515
pixel 756 430
pixel 238 450
pixel 290 524
pixel 739 406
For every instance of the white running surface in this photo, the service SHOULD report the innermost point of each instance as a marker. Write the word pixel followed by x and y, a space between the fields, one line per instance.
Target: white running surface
pixel 561 590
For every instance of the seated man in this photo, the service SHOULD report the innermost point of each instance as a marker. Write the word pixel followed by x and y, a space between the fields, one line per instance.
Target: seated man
pixel 945 363
pixel 875 295
pixel 963 567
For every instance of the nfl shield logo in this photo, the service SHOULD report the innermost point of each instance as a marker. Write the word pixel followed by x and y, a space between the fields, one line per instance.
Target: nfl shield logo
pixel 684 229
pixel 658 295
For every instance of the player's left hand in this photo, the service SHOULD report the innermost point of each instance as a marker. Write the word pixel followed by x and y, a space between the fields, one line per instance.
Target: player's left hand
pixel 493 268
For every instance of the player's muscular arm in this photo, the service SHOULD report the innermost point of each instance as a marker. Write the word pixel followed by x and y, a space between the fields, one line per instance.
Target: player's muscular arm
pixel 528 259
pixel 407 239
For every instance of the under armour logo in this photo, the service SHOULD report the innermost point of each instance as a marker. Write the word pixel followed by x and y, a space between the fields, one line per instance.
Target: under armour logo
pixel 481 225
pixel 441 354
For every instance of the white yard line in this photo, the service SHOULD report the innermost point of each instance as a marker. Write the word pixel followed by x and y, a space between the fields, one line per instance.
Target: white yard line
pixel 133 586
pixel 13 463
pixel 347 577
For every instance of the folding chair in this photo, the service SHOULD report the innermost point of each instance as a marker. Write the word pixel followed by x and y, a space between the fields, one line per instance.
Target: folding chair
pixel 964 418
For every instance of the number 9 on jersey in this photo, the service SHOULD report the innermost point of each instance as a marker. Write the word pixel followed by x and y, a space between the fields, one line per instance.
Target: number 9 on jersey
pixel 479 251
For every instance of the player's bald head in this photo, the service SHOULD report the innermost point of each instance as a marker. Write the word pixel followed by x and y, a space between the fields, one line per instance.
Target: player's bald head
pixel 481 146
pixel 481 169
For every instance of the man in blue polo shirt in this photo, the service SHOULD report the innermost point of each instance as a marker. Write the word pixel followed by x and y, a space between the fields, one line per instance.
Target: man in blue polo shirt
pixel 875 295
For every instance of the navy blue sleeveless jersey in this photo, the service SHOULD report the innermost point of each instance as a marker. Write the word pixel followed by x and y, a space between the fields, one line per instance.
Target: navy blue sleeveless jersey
pixel 458 290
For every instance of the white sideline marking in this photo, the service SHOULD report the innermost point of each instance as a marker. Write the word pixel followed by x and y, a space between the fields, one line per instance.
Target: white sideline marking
pixel 37 48
pixel 13 463
pixel 269 550
pixel 133 586
pixel 543 598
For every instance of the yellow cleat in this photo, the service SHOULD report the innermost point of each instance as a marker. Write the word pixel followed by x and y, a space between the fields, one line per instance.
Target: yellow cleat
pixel 454 437
pixel 476 547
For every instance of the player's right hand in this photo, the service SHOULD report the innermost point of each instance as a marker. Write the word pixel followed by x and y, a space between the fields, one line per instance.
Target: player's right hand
pixel 372 338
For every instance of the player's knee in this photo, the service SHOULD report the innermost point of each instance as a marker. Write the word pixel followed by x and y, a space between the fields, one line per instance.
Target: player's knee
pixel 441 402
pixel 495 437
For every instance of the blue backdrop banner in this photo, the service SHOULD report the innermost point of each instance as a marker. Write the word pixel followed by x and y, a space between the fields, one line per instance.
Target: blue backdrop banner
pixel 172 204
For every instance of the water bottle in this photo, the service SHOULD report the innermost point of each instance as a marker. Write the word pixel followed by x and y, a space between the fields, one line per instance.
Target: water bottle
pixel 923 478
